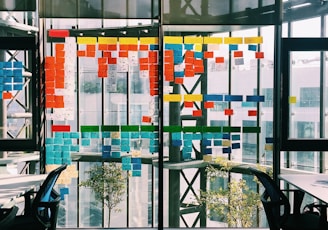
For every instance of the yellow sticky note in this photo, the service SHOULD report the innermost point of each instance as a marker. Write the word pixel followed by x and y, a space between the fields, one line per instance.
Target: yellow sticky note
pixel 207 158
pixel 198 47
pixel 87 40
pixel 233 40
pixel 173 39
pixel 292 100
pixel 253 40
pixel 268 147
pixel 128 41
pixel 193 40
pixel 226 142
pixel 213 40
pixel 115 135
pixel 193 97
pixel 107 40
pixel 172 97
pixel 149 41
pixel 136 153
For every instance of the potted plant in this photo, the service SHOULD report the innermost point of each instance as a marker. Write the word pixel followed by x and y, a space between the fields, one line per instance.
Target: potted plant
pixel 107 181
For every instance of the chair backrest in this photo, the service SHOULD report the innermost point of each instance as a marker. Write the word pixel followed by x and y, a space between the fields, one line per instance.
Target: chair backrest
pixel 46 202
pixel 7 217
pixel 276 204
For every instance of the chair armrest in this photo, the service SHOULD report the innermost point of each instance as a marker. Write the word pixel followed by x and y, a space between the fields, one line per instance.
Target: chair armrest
pixel 298 199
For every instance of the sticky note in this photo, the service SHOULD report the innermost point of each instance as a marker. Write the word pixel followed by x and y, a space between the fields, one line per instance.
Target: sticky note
pixel 292 100
pixel 253 40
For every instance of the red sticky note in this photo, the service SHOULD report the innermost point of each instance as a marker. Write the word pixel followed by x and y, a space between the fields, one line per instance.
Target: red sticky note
pixel 112 61
pixel 178 80
pixel 238 54
pixel 60 128
pixel 197 113
pixel 188 104
pixel 208 104
pixel 252 113
pixel 7 95
pixel 259 54
pixel 58 33
pixel 228 112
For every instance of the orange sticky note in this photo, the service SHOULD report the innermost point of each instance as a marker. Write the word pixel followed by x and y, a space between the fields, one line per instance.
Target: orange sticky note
pixel 197 113
pixel 123 53
pixel 102 47
pixel 189 53
pixel 112 61
pixel 59 46
pixel 153 92
pixel 102 60
pixel 143 47
pixel 60 53
pixel 143 67
pixel 81 53
pixel 199 69
pixel 106 54
pixel 146 119
pixel 102 73
pixel 178 80
pixel 59 101
pixel 112 47
pixel 91 48
pixel 143 60
pixel 133 47
pixel 7 95
pixel 219 60
pixel 124 47
pixel 189 60
pixel 90 53
pixel 169 76
pixel 208 54
pixel 168 59
pixel 168 53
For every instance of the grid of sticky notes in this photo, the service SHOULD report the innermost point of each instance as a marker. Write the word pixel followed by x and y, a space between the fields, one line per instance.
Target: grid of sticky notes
pixel 11 78
pixel 132 164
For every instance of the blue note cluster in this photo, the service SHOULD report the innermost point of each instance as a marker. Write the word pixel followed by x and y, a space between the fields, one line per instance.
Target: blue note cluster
pixel 11 76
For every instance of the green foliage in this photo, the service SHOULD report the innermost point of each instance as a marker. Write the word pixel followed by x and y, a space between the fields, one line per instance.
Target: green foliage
pixel 237 204
pixel 107 181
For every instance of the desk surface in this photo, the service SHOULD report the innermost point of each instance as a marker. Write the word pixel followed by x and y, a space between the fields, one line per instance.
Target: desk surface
pixel 314 184
pixel 12 186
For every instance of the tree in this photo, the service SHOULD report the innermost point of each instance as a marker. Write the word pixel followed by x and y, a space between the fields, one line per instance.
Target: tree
pixel 236 203
pixel 107 181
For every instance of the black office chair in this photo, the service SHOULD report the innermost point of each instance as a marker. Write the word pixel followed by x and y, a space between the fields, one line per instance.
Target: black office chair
pixel 278 210
pixel 7 217
pixel 41 211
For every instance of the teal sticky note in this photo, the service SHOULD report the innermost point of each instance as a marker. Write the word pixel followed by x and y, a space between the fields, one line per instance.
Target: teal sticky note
pixel 66 154
pixel 187 149
pixel 66 135
pixel 126 160
pixel 116 154
pixel 50 160
pixel 59 134
pixel 49 148
pixel 125 148
pixel 125 135
pixel 197 136
pixel 116 142
pixel 105 134
pixel 125 142
pixel 207 135
pixel 58 141
pixel 65 148
pixel 136 173
pixel 95 135
pixel 176 136
pixel 126 166
pixel 86 142
pixel 235 137
pixel 154 135
pixel 187 142
pixel 49 141
pixel 187 136
pixel 135 135
pixel 75 148
pixel 217 135
pixel 75 135
pixel 153 142
pixel 145 134
pixel 18 86
pixel 67 141
pixel 86 135
pixel 217 142
pixel 153 149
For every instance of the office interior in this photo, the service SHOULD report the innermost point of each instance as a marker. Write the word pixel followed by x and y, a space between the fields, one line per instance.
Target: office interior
pixel 167 90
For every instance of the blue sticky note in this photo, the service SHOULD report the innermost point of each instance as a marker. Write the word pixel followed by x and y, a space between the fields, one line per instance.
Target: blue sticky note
pixel 198 55
pixel 136 160
pixel 63 192
pixel 269 140
pixel 7 87
pixel 106 148
pixel 18 73
pixel 206 142
pixel 18 64
pixel 105 154
pixel 50 160
pixel 252 47
pixel 235 145
pixel 179 73
pixel 18 87
pixel 226 136
pixel 8 64
pixel 177 60
pixel 66 135
pixel 18 79
pixel 233 97
pixel 213 97
pixel 136 166
pixel 8 72
pixel 176 143
pixel 233 47
pixel 208 151
pixel 226 150
pixel 2 64
pixel 255 98
pixel 153 47
pixel 189 46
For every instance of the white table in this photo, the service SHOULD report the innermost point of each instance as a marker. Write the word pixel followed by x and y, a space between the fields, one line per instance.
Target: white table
pixel 315 185
pixel 13 186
